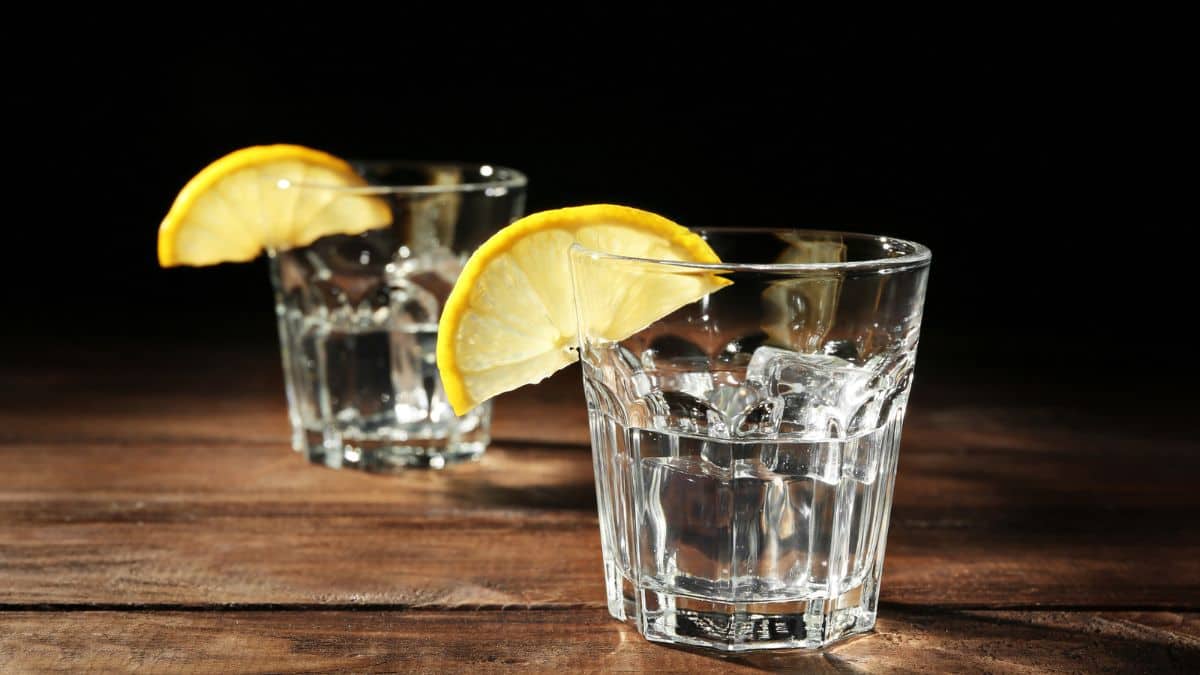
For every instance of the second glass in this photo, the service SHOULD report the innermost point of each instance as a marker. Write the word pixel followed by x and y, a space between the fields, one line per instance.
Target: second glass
pixel 358 316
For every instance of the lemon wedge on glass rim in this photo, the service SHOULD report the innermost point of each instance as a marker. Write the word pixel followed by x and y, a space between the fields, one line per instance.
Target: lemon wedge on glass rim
pixel 510 318
pixel 237 207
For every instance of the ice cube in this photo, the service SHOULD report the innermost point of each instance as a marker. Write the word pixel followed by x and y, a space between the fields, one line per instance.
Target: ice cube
pixel 435 270
pixel 782 371
pixel 822 396
pixel 733 400
pixel 444 263
pixel 758 369
pixel 344 270
pixel 829 377
pixel 675 364
pixel 843 349
pixel 892 375
pixel 698 384
pixel 411 304
pixel 761 419
pixel 743 410
pixel 680 411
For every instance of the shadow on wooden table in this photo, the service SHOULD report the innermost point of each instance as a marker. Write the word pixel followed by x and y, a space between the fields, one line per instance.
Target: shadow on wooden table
pixel 559 497
pixel 524 476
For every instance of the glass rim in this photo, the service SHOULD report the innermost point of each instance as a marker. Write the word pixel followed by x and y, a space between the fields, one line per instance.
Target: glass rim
pixel 918 255
pixel 505 177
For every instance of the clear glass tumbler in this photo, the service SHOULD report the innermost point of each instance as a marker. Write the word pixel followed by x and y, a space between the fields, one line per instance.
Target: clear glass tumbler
pixel 358 316
pixel 745 445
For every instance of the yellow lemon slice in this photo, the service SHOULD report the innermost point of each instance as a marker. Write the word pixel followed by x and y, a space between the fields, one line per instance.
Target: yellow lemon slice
pixel 246 201
pixel 798 313
pixel 510 319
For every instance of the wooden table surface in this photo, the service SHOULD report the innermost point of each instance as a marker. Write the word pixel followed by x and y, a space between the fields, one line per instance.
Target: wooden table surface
pixel 153 517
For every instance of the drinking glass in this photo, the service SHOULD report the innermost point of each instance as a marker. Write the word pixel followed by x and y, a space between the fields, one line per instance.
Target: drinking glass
pixel 358 316
pixel 745 445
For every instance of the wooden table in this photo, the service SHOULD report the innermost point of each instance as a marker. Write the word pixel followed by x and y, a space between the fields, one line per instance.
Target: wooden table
pixel 153 517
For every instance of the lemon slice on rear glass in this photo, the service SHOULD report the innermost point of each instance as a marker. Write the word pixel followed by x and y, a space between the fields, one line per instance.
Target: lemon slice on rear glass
pixel 510 319
pixel 798 313
pixel 241 204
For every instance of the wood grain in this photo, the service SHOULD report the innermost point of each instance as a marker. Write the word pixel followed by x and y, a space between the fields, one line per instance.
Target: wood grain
pixel 153 517
pixel 206 398
pixel 578 641
pixel 519 528
pixel 1003 517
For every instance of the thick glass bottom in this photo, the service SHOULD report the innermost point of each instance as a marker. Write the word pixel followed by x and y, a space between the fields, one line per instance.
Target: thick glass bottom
pixel 673 618
pixel 387 456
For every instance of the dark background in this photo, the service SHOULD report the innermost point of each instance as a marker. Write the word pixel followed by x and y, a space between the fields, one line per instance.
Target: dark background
pixel 1012 148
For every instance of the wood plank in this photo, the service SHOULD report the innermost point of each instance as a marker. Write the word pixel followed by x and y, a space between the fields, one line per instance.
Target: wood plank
pixel 952 457
pixel 208 393
pixel 218 525
pixel 578 641
pixel 518 528
pixel 285 553
pixel 204 397
pixel 506 479
pixel 173 491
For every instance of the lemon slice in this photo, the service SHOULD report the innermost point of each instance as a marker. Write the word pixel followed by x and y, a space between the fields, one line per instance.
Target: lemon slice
pixel 237 206
pixel 510 319
pixel 799 313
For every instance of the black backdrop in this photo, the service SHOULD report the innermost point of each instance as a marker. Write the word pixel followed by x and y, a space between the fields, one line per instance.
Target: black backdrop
pixel 1009 148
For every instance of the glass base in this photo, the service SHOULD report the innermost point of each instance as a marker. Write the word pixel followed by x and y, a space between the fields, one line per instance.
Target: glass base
pixel 741 627
pixel 386 456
